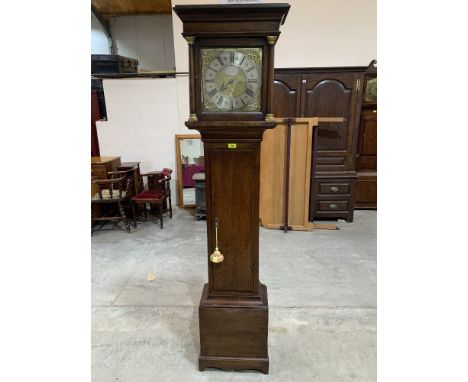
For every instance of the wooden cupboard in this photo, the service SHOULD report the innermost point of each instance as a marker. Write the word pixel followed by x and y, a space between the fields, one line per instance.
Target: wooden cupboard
pixel 366 155
pixel 326 92
pixel 100 166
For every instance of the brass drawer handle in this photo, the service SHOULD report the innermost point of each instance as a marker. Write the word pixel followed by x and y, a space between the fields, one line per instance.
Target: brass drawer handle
pixel 334 189
pixel 333 206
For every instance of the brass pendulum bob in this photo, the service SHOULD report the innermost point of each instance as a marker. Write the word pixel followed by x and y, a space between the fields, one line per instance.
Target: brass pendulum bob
pixel 216 256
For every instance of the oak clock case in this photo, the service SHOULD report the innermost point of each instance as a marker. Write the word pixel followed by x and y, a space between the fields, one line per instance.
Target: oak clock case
pixel 231 77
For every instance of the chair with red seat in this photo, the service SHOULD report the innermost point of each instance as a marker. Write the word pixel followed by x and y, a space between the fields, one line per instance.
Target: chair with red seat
pixel 158 193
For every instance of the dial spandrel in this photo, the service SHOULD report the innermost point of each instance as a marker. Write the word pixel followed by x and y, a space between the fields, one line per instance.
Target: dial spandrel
pixel 231 79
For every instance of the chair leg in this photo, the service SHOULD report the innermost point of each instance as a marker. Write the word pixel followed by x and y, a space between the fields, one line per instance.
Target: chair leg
pixel 92 220
pixel 146 212
pixel 124 217
pixel 160 214
pixel 134 214
pixel 170 207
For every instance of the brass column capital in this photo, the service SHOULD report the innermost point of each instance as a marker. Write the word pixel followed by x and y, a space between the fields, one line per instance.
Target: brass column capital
pixel 272 40
pixel 190 39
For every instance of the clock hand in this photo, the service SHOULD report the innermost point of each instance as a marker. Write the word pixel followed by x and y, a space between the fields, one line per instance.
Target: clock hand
pixel 225 86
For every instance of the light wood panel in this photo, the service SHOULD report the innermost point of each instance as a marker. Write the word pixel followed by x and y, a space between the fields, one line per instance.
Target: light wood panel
pixel 273 162
pixel 272 174
pixel 299 174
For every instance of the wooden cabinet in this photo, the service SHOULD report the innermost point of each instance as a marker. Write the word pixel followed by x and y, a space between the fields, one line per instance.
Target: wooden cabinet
pixel 100 166
pixel 366 155
pixel 287 96
pixel 333 196
pixel 326 92
pixel 332 94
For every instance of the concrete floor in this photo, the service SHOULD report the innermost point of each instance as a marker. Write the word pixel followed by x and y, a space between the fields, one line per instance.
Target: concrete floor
pixel 321 290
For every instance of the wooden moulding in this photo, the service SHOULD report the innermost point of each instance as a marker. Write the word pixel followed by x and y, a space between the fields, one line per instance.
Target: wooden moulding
pixel 255 19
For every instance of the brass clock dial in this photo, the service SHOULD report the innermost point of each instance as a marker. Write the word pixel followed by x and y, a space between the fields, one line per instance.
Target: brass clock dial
pixel 371 90
pixel 231 79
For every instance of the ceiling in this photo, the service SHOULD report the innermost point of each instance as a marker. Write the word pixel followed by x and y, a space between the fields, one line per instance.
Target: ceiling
pixel 107 8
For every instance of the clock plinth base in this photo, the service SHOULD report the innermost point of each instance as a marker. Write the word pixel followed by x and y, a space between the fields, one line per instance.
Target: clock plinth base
pixel 234 364
pixel 234 332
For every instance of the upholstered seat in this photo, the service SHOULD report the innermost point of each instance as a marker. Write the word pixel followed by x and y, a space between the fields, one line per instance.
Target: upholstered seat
pixel 149 194
pixel 158 192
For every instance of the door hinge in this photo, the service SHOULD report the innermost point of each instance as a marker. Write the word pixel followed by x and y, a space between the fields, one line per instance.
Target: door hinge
pixel 358 83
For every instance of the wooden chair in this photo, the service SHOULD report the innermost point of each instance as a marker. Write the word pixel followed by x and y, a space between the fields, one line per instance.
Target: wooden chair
pixel 115 191
pixel 158 193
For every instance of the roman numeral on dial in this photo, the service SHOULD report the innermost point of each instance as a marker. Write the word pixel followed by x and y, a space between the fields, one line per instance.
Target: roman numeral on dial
pixel 231 57
pixel 220 101
pixel 212 92
pixel 249 92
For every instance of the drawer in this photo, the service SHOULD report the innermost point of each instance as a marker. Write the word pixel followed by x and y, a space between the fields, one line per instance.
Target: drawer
pixel 99 171
pixel 333 205
pixel 334 188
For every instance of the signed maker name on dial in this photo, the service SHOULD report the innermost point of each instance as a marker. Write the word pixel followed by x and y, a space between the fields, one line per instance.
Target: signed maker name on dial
pixel 232 81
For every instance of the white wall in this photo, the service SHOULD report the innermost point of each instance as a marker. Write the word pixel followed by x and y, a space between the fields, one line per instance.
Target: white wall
pixel 143 119
pixel 148 38
pixel 99 41
pixel 316 33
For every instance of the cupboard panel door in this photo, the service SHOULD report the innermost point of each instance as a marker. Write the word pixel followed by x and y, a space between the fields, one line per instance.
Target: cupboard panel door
pixel 332 94
pixel 329 98
pixel 287 95
pixel 367 145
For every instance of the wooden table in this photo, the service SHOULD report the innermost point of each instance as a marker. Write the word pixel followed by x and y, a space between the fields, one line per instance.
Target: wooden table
pixel 100 166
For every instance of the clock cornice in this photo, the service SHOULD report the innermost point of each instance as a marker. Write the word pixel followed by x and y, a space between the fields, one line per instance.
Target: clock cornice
pixel 248 19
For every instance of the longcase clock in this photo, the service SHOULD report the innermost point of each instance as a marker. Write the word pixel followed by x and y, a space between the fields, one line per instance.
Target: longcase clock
pixel 231 58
